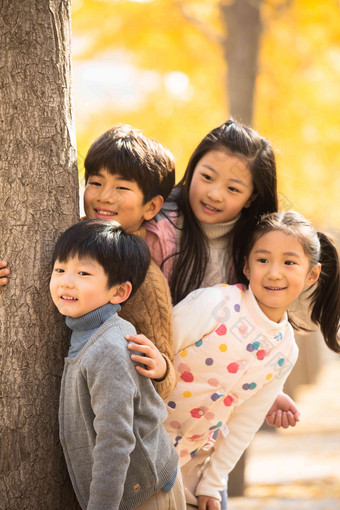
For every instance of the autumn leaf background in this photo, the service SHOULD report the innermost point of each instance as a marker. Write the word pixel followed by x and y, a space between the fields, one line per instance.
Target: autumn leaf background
pixel 159 65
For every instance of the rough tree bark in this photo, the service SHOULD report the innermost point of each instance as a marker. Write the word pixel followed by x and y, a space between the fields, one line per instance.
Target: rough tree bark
pixel 38 199
pixel 242 22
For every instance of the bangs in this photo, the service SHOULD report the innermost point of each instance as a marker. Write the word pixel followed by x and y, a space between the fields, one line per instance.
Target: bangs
pixel 68 247
pixel 123 163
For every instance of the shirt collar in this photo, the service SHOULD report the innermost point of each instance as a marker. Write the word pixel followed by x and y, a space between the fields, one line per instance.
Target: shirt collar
pixel 92 320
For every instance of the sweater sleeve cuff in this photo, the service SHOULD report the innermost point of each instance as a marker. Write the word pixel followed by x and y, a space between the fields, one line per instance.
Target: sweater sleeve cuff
pixel 165 387
pixel 209 492
pixel 211 484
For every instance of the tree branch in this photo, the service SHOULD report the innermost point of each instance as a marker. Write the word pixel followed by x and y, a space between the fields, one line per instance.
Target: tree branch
pixel 215 37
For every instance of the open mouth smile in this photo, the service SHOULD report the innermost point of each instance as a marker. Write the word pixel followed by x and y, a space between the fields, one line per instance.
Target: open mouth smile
pixel 210 208
pixel 275 289
pixel 68 298
pixel 102 212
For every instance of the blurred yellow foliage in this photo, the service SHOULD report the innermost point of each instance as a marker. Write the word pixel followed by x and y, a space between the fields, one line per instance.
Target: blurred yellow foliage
pixel 159 65
pixel 298 103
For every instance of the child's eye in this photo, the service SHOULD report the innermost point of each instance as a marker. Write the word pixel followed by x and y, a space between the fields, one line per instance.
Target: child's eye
pixel 58 270
pixel 84 273
pixel 123 187
pixel 234 190
pixel 289 262
pixel 262 261
pixel 207 177
pixel 95 183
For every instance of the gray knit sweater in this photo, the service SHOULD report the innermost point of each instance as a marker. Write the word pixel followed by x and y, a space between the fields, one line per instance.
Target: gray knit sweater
pixel 117 451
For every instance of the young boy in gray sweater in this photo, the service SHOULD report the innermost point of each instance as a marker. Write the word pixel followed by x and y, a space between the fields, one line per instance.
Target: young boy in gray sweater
pixel 118 454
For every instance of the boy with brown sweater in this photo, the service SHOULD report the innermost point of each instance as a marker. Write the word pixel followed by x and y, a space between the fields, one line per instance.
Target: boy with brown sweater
pixel 128 177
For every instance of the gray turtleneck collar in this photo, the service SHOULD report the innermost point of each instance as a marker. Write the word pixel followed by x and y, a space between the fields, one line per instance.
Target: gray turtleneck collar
pixel 83 327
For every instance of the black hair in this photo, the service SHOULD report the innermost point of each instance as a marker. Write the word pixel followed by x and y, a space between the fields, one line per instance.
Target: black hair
pixel 191 260
pixel 325 297
pixel 127 152
pixel 124 257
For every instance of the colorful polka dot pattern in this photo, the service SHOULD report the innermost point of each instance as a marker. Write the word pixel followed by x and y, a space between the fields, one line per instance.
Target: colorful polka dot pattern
pixel 221 330
pixel 249 386
pixel 216 373
pixel 255 347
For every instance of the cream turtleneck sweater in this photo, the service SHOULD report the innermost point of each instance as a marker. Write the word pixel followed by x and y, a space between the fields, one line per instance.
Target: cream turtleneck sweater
pixel 220 252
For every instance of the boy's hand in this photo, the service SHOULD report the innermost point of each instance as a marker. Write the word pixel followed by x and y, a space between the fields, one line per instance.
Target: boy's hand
pixel 4 271
pixel 283 413
pixel 156 366
pixel 208 503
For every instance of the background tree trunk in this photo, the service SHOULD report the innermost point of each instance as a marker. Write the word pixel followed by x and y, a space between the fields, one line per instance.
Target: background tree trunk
pixel 242 20
pixel 38 199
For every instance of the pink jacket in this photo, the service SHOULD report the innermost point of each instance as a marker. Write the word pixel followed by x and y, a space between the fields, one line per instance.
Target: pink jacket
pixel 163 235
pixel 163 240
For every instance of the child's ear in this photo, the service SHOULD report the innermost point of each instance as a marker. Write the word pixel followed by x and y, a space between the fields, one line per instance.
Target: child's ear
pixel 246 269
pixel 313 275
pixel 120 292
pixel 153 207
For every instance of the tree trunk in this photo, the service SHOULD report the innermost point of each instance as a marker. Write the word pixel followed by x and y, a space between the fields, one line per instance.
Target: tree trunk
pixel 242 22
pixel 243 27
pixel 38 199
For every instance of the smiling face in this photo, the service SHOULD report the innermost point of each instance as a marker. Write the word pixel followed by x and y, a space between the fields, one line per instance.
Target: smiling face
pixel 111 197
pixel 278 270
pixel 79 286
pixel 221 187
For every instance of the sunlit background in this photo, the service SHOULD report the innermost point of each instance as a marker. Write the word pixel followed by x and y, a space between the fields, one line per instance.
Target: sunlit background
pixel 159 65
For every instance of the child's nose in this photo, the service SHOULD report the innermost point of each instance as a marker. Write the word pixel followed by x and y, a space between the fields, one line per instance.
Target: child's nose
pixel 214 193
pixel 106 194
pixel 274 271
pixel 67 281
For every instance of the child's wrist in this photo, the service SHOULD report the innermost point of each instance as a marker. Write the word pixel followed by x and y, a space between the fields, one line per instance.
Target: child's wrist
pixel 160 379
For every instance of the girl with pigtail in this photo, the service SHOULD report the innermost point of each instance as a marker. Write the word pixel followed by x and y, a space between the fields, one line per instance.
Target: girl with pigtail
pixel 325 298
pixel 199 238
pixel 235 348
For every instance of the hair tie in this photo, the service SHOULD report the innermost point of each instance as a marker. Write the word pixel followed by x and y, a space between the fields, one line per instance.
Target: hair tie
pixel 227 124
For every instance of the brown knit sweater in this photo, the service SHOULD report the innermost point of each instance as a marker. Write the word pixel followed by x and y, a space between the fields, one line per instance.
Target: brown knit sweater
pixel 150 311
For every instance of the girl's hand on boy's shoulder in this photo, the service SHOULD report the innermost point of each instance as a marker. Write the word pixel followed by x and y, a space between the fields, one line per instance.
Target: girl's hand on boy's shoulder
pixel 4 272
pixel 208 503
pixel 155 364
